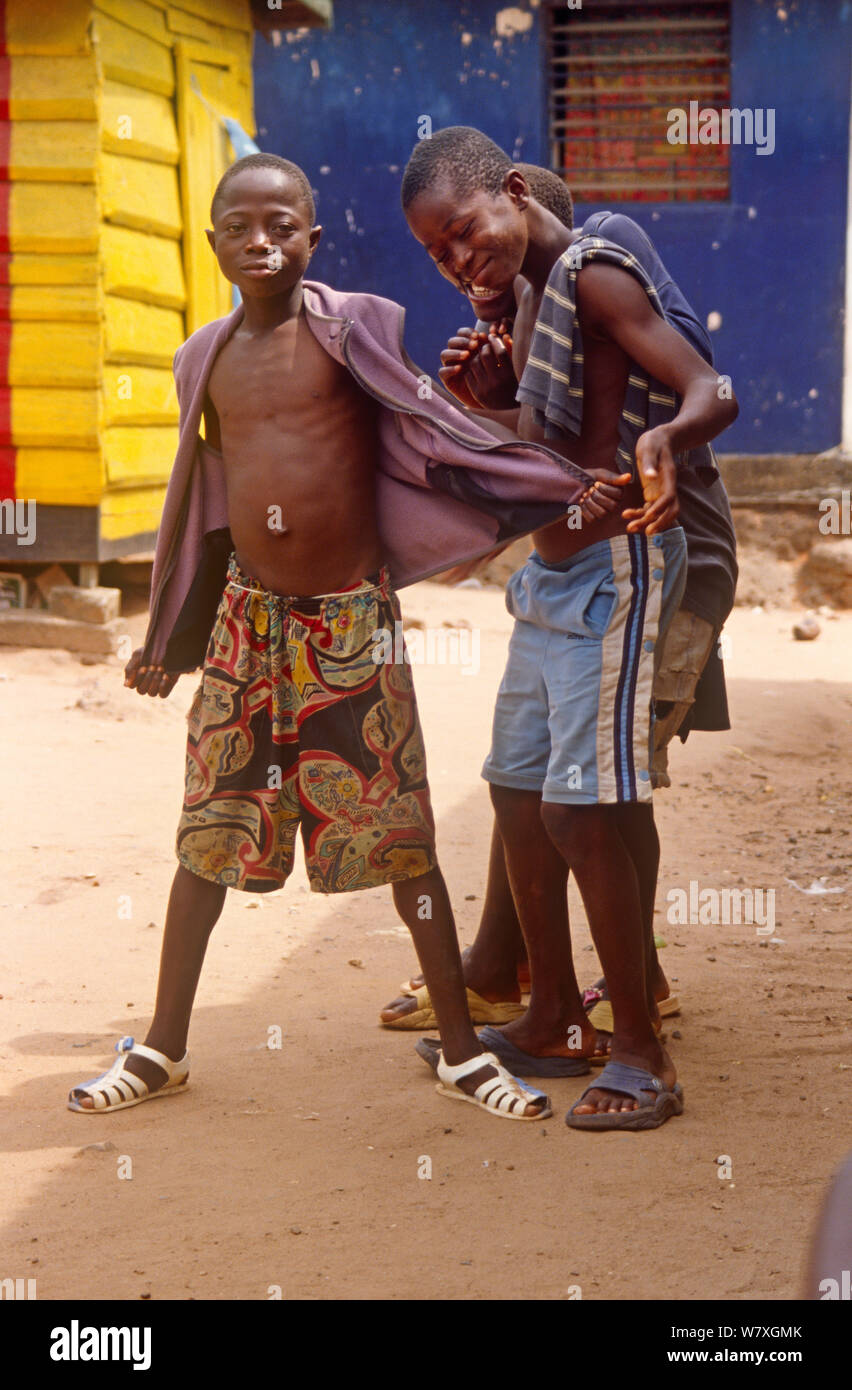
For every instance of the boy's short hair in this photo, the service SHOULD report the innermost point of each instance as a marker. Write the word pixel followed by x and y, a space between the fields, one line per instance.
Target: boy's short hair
pixel 551 191
pixel 469 159
pixel 266 161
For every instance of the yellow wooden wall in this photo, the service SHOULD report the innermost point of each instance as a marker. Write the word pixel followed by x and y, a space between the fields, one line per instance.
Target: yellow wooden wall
pixel 56 306
pixel 113 160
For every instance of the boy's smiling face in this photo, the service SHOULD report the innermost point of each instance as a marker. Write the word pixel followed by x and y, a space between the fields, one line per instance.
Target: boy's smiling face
pixel 477 240
pixel 262 235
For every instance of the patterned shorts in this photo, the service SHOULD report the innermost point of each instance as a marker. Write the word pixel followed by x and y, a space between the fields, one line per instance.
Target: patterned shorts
pixel 295 724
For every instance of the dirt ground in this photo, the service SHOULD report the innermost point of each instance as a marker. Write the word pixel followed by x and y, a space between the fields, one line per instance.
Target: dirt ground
pixel 297 1166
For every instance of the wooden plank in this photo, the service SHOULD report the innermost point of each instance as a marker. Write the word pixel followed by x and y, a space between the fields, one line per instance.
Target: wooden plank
pixel 191 26
pixel 42 26
pixel 53 217
pixel 64 151
pixel 42 416
pixel 141 333
pixel 131 512
pixel 233 14
pixel 55 354
pixel 138 266
pixel 140 194
pixel 139 455
pixel 53 270
pixel 61 477
pixel 53 89
pixel 139 15
pixel 137 123
pixel 139 396
pixel 130 57
pixel 73 303
pixel 65 534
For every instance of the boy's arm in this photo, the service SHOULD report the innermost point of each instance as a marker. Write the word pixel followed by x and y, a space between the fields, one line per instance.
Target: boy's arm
pixel 613 304
pixel 150 679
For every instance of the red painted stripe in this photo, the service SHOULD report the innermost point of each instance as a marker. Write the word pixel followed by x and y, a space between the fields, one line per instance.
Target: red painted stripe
pixel 5 189
pixel 5 147
pixel 5 301
pixel 5 415
pixel 5 86
pixel 7 471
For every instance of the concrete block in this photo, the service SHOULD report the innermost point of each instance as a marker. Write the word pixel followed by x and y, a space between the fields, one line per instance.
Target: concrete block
pixel 29 628
pixel 96 605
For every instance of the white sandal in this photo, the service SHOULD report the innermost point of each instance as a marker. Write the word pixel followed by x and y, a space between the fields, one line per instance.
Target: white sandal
pixel 502 1094
pixel 117 1089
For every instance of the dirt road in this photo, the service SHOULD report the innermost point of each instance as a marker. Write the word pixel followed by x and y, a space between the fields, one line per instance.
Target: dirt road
pixel 297 1166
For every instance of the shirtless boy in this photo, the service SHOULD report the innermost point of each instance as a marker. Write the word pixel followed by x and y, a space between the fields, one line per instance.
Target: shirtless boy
pixel 572 744
pixel 291 685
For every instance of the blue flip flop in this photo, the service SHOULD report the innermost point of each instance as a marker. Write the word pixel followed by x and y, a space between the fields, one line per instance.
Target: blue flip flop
pixel 524 1064
pixel 634 1082
pixel 518 1062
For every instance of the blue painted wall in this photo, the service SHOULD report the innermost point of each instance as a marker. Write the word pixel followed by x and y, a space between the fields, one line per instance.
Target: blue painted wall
pixel 345 105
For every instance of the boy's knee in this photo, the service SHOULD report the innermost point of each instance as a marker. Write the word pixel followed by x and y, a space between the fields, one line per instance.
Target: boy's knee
pixel 577 831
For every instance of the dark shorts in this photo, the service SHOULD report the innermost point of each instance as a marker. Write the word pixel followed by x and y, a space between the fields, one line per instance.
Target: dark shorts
pixel 297 724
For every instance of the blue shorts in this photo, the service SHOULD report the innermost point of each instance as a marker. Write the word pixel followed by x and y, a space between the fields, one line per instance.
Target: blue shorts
pixel 574 717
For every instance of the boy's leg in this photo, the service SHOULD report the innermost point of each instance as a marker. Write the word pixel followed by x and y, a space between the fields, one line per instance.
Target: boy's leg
pixel 366 814
pixel 195 905
pixel 555 1024
pixel 490 965
pixel 437 947
pixel 590 840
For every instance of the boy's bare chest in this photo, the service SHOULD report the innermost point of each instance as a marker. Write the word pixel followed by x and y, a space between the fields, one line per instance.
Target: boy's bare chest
pixel 283 373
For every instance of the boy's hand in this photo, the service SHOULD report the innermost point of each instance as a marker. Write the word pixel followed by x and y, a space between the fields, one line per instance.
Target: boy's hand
pixel 658 476
pixel 477 368
pixel 149 680
pixel 454 359
pixel 604 496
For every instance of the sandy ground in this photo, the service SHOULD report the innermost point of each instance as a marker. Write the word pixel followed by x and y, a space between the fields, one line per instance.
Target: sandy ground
pixel 297 1167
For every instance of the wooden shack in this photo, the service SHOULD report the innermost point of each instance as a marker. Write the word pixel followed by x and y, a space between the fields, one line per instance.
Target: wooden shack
pixel 111 142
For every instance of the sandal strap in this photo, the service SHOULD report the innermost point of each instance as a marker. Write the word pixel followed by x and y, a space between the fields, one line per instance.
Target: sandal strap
pixel 141 1050
pixel 462 1069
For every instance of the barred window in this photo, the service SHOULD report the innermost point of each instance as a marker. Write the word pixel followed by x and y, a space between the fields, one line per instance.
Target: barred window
pixel 616 70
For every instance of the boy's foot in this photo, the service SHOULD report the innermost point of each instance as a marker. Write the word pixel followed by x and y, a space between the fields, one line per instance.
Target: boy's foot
pixel 422 1015
pixel 523 975
pixel 483 1082
pixel 602 1100
pixel 667 1002
pixel 570 1038
pixel 498 991
pixel 139 1073
pixel 597 1004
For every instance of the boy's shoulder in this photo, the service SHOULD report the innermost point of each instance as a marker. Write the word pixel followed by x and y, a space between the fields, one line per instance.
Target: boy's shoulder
pixel 618 228
pixel 369 309
pixel 199 343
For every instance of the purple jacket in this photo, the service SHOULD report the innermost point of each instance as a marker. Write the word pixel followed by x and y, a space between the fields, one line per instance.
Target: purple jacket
pixel 447 489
